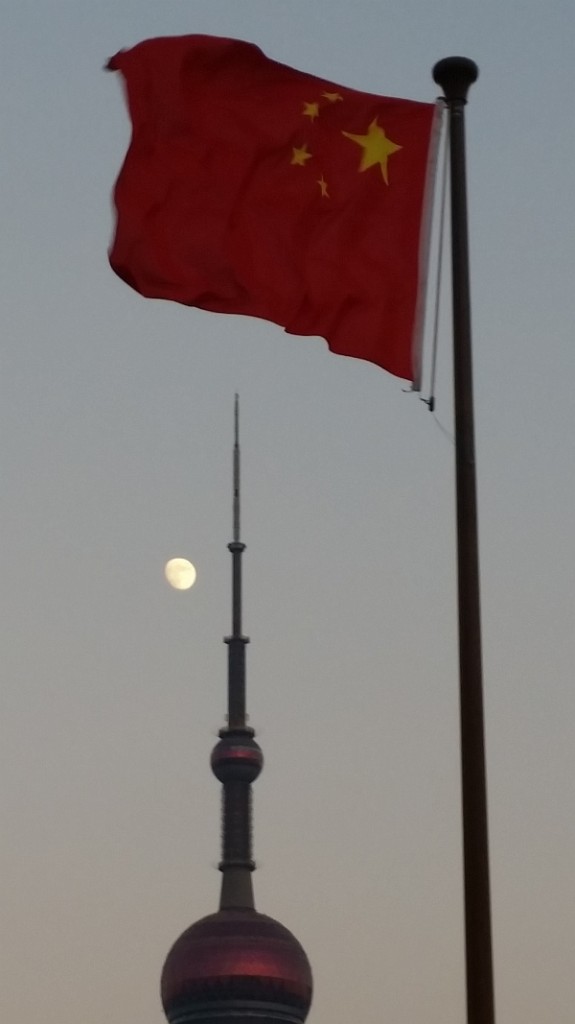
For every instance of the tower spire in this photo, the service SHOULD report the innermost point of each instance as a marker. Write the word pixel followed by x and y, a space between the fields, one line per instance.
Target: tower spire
pixel 236 641
pixel 237 759
pixel 236 467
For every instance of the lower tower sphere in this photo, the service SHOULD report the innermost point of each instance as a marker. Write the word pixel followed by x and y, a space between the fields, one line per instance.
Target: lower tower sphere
pixel 236 965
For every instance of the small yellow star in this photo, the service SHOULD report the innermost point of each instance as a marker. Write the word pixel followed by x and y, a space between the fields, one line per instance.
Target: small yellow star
pixel 333 97
pixel 323 186
pixel 311 110
pixel 300 155
pixel 376 148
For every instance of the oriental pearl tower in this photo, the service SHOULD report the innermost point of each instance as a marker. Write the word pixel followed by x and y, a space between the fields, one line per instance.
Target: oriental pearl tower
pixel 236 965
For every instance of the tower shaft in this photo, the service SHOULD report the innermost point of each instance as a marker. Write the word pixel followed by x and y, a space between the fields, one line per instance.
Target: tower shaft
pixel 237 759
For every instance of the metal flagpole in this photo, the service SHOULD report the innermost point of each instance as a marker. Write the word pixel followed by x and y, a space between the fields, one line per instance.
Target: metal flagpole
pixel 455 75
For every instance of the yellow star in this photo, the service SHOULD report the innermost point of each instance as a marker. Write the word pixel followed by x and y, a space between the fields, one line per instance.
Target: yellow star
pixel 311 110
pixel 333 97
pixel 300 155
pixel 323 186
pixel 376 148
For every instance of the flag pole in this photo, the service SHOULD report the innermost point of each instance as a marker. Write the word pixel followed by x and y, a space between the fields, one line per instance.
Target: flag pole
pixel 455 75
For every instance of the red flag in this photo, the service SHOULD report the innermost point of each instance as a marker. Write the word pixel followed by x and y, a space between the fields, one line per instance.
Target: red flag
pixel 249 187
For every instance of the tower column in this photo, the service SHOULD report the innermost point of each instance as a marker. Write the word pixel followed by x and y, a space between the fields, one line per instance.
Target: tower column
pixel 237 759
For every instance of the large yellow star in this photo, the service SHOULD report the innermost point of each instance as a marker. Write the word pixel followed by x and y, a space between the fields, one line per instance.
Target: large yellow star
pixel 300 155
pixel 376 148
pixel 311 110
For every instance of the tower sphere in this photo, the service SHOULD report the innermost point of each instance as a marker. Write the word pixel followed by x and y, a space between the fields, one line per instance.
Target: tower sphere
pixel 237 757
pixel 236 963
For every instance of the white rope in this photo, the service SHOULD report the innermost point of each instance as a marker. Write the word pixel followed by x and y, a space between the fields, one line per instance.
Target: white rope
pixel 430 402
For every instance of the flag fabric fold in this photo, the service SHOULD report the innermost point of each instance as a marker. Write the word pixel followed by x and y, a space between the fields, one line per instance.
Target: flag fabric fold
pixel 252 188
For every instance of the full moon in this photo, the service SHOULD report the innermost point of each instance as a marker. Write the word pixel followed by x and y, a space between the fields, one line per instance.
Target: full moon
pixel 180 574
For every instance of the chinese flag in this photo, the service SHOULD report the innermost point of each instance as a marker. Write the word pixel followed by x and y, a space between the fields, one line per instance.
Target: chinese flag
pixel 252 188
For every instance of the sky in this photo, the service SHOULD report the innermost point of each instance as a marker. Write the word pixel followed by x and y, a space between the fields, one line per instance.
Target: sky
pixel 117 418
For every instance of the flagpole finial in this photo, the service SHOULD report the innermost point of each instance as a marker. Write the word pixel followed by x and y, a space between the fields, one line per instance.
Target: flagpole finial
pixel 455 75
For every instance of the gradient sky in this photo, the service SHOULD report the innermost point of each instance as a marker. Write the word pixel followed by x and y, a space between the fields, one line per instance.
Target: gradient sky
pixel 117 430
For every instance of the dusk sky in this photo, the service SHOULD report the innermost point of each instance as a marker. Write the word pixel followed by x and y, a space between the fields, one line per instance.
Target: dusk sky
pixel 117 417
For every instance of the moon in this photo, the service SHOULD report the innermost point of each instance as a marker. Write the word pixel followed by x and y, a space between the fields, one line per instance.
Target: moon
pixel 180 573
